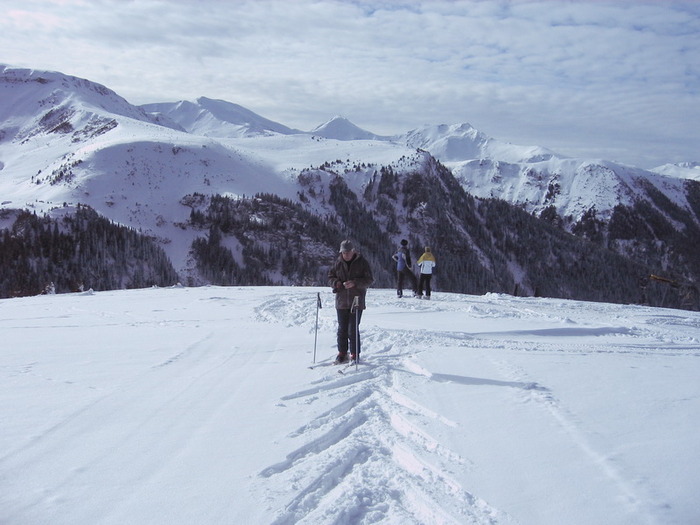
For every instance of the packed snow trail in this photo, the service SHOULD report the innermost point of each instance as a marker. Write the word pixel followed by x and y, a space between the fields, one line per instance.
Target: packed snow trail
pixel 197 405
pixel 365 459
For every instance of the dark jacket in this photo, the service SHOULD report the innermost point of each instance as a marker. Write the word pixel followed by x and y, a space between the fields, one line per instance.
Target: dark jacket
pixel 357 270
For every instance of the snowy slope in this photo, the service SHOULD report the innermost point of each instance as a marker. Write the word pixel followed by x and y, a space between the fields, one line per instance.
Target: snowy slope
pixel 152 406
pixel 459 142
pixel 536 178
pixel 47 116
pixel 25 93
pixel 340 128
pixel 572 186
pixel 684 170
pixel 531 176
pixel 136 174
pixel 65 141
pixel 216 118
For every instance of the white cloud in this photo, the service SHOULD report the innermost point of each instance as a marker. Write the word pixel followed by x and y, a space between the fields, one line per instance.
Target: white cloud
pixel 582 77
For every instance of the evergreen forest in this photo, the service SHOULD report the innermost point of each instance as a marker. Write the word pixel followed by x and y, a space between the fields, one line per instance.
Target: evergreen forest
pixel 646 254
pixel 79 251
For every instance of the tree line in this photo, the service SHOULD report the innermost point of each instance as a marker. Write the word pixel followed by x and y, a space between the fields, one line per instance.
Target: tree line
pixel 79 251
pixel 482 245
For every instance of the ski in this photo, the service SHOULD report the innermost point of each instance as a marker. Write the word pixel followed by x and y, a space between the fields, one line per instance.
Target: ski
pixel 318 365
pixel 347 365
pixel 341 370
pixel 328 363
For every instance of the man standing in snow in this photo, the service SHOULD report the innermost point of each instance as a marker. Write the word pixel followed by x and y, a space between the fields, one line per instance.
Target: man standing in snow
pixel 349 277
pixel 403 269
pixel 426 263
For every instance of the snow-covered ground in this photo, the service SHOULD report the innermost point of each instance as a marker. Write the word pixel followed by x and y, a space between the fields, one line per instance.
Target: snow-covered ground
pixel 197 405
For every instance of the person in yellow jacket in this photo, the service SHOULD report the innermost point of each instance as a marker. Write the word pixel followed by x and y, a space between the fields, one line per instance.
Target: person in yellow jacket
pixel 426 263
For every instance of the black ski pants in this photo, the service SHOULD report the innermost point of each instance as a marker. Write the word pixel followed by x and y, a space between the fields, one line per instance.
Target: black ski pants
pixel 348 331
pixel 406 273
pixel 424 284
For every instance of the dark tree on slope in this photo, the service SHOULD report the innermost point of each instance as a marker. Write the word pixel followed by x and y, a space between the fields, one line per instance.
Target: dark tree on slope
pixel 492 246
pixel 82 250
pixel 214 262
pixel 660 236
pixel 482 245
pixel 281 242
pixel 359 223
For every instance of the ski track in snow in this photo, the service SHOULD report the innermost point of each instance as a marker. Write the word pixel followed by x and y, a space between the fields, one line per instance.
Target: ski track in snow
pixel 375 431
pixel 571 426
pixel 369 450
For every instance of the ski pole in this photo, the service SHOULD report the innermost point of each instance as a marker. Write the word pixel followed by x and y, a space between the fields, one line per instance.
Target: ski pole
pixel 318 307
pixel 356 307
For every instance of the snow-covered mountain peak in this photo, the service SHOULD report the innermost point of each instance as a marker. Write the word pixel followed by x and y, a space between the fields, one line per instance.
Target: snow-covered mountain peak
pixel 26 92
pixel 217 118
pixel 438 131
pixel 340 128
pixel 682 170
pixel 463 142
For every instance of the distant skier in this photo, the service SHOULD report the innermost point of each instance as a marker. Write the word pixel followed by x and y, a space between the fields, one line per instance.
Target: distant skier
pixel 426 263
pixel 349 277
pixel 403 269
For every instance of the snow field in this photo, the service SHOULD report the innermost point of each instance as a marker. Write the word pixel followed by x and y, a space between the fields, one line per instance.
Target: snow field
pixel 189 405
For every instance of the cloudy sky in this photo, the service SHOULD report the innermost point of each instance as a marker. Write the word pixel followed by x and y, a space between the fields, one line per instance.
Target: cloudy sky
pixel 616 79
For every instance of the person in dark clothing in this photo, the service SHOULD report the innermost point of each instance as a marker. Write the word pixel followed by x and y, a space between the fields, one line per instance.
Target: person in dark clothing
pixel 349 277
pixel 403 269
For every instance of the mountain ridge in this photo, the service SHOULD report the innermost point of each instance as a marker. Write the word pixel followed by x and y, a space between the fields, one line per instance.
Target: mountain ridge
pixel 67 141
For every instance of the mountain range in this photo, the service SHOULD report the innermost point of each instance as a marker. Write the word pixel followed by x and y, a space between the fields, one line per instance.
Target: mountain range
pixel 234 198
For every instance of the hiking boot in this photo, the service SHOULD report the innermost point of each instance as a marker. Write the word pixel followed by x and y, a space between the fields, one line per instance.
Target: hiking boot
pixel 342 358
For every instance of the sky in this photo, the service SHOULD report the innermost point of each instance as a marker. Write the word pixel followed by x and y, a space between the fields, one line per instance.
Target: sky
pixel 616 80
